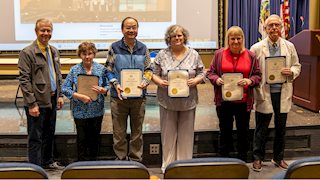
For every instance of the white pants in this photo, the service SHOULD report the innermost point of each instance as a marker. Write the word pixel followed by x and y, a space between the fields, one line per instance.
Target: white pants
pixel 177 132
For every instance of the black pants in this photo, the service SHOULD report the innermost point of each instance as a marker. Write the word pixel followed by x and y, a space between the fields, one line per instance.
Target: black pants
pixel 261 131
pixel 41 134
pixel 88 138
pixel 227 112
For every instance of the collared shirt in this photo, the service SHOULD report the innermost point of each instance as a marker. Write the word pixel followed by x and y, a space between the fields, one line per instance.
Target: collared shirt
pixel 129 49
pixel 120 56
pixel 164 62
pixel 274 50
pixel 270 43
pixel 43 50
pixel 81 110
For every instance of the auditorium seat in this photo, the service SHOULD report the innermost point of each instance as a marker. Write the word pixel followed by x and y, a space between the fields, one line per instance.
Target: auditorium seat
pixel 153 53
pixel 101 54
pixel 307 168
pixel 207 168
pixel 108 169
pixel 21 170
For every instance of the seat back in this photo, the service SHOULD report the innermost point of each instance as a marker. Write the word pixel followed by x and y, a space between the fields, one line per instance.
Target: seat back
pixel 307 168
pixel 19 170
pixel 153 54
pixel 207 168
pixel 101 54
pixel 105 170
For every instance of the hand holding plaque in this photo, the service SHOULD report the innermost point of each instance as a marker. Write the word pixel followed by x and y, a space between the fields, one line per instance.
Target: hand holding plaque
pixel 178 86
pixel 130 80
pixel 85 84
pixel 274 66
pixel 231 91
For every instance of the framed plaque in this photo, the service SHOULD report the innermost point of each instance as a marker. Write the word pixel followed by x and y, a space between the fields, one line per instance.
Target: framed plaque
pixel 231 91
pixel 85 83
pixel 130 80
pixel 274 65
pixel 178 86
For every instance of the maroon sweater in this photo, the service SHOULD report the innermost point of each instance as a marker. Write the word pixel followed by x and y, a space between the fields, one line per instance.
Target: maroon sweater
pixel 215 72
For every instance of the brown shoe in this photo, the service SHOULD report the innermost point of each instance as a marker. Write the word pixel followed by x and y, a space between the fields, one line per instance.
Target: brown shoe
pixel 281 164
pixel 257 165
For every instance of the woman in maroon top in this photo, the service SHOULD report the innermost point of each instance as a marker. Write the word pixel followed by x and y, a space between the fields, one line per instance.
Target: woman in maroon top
pixel 234 58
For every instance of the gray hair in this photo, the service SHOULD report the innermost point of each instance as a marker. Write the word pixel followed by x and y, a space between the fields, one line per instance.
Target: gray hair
pixel 266 22
pixel 43 20
pixel 173 30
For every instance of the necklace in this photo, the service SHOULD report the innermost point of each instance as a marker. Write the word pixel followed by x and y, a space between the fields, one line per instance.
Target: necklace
pixel 235 60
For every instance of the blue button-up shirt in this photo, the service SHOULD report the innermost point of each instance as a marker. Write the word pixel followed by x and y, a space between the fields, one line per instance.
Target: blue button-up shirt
pixel 81 110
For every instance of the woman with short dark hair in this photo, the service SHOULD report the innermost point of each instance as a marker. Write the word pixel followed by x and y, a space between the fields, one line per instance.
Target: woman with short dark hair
pixel 87 110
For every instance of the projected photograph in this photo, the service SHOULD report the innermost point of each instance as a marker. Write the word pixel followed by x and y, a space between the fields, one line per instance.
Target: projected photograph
pixel 74 11
pixel 99 21
pixel 93 19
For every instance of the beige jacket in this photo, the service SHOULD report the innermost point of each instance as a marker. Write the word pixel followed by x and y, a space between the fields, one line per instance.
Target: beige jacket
pixel 262 98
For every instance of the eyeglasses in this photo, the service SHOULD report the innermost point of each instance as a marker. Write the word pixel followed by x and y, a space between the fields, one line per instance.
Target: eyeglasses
pixel 274 24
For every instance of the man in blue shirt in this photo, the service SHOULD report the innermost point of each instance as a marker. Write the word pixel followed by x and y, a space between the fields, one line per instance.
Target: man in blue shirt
pixel 128 53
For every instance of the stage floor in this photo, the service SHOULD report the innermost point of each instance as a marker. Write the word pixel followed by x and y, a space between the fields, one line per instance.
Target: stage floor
pixel 13 119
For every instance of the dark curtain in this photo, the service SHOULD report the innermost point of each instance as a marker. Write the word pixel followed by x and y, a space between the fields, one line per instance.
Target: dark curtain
pixel 245 13
pixel 275 6
pixel 298 9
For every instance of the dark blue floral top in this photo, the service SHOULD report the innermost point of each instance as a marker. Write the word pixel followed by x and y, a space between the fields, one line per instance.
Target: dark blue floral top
pixel 81 110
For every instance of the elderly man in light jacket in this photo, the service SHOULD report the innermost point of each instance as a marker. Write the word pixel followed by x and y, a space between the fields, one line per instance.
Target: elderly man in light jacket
pixel 273 98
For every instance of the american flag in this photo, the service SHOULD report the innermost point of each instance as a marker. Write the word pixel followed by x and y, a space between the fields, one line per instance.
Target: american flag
pixel 264 14
pixel 284 14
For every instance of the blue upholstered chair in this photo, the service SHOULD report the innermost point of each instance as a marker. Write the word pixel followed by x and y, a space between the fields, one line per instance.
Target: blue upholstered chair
pixel 307 168
pixel 21 170
pixel 105 170
pixel 154 53
pixel 207 168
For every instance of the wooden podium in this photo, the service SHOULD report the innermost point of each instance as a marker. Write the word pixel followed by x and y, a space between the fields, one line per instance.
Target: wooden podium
pixel 306 92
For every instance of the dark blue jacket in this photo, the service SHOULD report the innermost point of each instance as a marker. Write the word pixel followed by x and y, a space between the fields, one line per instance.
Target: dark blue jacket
pixel 124 59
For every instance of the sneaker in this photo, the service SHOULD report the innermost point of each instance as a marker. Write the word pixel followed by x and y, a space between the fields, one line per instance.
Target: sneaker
pixel 281 164
pixel 54 166
pixel 257 165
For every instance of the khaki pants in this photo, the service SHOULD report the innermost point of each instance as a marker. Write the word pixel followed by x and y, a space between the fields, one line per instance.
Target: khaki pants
pixel 120 110
pixel 177 132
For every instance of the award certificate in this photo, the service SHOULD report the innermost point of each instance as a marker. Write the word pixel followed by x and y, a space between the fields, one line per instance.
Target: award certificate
pixel 178 86
pixel 274 65
pixel 85 83
pixel 130 80
pixel 231 91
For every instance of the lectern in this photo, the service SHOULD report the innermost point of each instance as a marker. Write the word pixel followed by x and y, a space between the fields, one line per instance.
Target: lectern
pixel 306 91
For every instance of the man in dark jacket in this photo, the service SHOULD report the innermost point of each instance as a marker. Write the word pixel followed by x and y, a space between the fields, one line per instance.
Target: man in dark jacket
pixel 40 81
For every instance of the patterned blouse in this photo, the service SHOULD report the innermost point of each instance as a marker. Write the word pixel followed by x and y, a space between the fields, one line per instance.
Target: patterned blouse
pixel 164 62
pixel 81 110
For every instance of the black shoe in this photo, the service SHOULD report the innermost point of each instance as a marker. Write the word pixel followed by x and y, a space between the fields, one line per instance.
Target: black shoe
pixel 54 166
